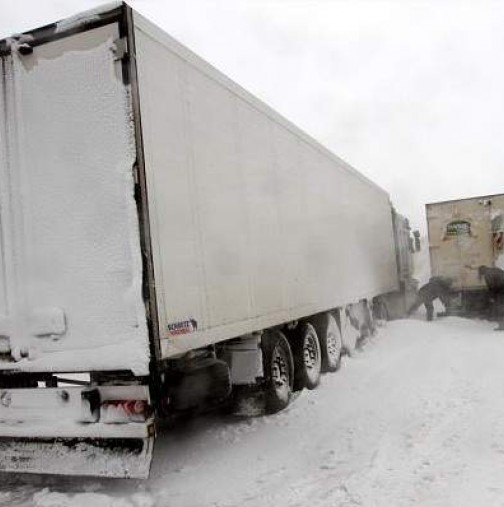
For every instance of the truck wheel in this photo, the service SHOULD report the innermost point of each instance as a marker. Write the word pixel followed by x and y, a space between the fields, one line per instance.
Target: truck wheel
pixel 307 358
pixel 278 371
pixel 331 344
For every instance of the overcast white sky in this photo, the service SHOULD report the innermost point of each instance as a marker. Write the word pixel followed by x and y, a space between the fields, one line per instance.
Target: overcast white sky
pixel 411 93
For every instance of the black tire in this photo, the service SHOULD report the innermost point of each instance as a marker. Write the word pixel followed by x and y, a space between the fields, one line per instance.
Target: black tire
pixel 307 357
pixel 331 344
pixel 278 367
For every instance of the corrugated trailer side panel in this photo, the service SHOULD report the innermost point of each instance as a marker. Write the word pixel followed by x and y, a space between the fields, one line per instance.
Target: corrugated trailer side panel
pixel 253 223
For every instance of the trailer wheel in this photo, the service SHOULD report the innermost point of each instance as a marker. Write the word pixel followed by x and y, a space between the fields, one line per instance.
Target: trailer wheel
pixel 278 371
pixel 307 357
pixel 331 344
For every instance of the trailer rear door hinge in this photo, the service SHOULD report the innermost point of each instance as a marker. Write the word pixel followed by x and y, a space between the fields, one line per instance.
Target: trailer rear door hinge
pixel 120 48
pixel 136 175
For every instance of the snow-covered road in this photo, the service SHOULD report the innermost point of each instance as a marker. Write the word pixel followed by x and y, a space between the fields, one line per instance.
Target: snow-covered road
pixel 416 418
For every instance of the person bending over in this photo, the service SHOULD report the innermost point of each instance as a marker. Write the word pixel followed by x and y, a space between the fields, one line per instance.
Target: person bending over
pixel 438 287
pixel 494 279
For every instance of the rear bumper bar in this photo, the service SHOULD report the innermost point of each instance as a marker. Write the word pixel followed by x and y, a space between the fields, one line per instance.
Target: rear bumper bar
pixel 76 431
pixel 115 457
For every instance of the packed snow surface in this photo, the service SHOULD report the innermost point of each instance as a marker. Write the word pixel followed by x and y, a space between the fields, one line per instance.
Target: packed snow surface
pixel 414 418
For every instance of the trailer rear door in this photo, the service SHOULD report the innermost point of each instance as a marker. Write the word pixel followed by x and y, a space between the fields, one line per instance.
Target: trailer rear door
pixel 70 260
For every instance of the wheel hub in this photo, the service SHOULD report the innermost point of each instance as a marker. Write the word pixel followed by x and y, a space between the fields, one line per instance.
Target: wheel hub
pixel 310 353
pixel 333 347
pixel 280 372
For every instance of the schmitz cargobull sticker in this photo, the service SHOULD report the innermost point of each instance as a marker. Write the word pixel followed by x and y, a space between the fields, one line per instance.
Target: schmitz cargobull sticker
pixel 182 327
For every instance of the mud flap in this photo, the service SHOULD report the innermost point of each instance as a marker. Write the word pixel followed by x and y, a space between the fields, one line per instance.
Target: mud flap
pixel 119 458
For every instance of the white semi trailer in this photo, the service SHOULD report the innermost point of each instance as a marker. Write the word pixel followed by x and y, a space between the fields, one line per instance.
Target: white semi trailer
pixel 165 238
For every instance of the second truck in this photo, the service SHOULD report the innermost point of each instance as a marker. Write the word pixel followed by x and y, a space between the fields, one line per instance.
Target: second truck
pixel 465 234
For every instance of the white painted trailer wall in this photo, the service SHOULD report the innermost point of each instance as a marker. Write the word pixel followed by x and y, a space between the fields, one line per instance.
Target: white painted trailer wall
pixel 253 222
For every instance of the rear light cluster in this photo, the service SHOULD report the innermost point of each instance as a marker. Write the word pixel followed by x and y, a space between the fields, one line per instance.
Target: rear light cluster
pixel 113 411
pixel 124 411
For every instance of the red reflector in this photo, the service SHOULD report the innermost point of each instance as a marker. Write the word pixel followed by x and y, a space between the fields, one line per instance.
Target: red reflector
pixel 124 411
pixel 135 407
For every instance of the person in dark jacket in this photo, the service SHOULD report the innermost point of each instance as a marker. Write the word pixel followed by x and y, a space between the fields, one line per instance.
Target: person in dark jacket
pixel 494 279
pixel 438 287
